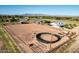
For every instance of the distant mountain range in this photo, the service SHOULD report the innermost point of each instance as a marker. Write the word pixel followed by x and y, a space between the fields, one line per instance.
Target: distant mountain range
pixel 27 14
pixel 48 15
pixel 35 15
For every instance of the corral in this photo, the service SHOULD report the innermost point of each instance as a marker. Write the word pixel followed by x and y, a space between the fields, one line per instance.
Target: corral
pixel 37 38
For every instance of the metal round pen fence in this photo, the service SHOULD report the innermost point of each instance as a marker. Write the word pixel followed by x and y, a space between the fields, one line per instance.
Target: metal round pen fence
pixel 39 38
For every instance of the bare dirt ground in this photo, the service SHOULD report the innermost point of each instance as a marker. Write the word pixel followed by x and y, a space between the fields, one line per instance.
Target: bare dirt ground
pixel 25 37
pixel 74 48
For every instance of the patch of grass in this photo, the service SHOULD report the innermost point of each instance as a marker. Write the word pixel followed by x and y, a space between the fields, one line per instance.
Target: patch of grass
pixel 9 46
pixel 65 21
pixel 70 26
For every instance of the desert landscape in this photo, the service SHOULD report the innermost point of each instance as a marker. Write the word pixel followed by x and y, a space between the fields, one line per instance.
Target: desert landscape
pixel 40 37
pixel 25 35
pixel 39 33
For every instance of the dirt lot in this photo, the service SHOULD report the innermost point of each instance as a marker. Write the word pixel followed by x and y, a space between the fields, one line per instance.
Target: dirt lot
pixel 25 37
pixel 74 47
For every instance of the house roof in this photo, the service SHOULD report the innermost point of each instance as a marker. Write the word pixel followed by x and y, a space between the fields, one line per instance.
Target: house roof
pixel 57 24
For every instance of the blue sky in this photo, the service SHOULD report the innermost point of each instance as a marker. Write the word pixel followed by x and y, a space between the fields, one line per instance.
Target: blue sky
pixel 71 10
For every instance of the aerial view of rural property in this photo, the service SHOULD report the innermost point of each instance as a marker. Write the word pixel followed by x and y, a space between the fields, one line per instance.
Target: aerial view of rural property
pixel 39 28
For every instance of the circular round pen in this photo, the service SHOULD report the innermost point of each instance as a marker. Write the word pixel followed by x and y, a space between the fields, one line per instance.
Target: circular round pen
pixel 48 41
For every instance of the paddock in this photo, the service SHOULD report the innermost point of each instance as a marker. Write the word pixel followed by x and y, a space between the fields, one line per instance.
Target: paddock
pixel 25 36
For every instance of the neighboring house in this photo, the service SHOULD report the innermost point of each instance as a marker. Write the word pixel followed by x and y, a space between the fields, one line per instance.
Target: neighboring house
pixel 57 24
pixel 23 21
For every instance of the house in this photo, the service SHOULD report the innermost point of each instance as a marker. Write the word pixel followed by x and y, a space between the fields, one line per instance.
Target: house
pixel 57 24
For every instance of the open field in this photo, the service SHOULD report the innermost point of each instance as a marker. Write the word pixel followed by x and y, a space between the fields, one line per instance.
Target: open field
pixel 25 36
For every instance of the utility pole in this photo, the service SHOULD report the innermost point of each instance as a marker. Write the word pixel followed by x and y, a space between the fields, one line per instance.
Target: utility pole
pixel 50 43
